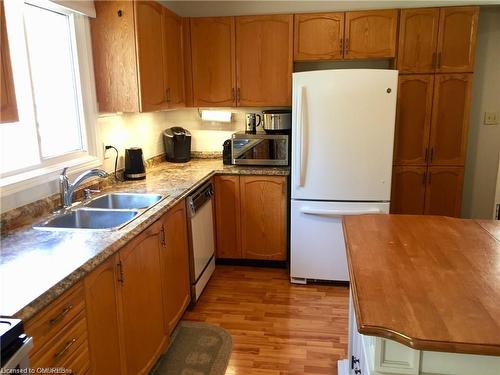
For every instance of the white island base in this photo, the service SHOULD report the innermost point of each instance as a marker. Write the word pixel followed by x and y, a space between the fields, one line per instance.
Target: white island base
pixel 370 355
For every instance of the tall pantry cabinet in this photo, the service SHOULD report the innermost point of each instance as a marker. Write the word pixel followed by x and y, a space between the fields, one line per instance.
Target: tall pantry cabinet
pixel 435 61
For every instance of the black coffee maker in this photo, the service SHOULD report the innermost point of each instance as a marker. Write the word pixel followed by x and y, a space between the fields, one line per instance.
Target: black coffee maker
pixel 134 164
pixel 177 142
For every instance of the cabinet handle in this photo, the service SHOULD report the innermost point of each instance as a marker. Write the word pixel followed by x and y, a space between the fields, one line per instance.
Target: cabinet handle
pixel 162 237
pixel 121 279
pixel 354 361
pixel 65 349
pixel 61 315
pixel 426 154
pixel 233 96
pixel 346 45
pixel 424 179
pixel 238 95
pixel 432 154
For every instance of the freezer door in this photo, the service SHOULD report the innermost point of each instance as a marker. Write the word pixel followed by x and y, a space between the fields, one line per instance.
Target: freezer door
pixel 343 134
pixel 317 238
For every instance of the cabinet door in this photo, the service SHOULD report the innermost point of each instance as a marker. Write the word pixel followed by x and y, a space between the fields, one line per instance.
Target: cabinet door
pixel 444 191
pixel 413 119
pixel 457 39
pixel 103 319
pixel 371 34
pixel 263 217
pixel 8 106
pixel 408 190
pixel 264 48
pixel 141 300
pixel 318 36
pixel 149 36
pixel 418 34
pixel 213 61
pixel 450 119
pixel 175 261
pixel 115 59
pixel 174 59
pixel 227 217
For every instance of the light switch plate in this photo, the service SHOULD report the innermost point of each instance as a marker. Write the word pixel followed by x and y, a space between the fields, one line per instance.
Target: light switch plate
pixel 491 118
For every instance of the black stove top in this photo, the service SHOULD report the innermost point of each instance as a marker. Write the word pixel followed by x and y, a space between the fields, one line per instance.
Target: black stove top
pixel 12 337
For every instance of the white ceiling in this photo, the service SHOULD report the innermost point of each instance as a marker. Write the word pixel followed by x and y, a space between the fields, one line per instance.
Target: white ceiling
pixel 205 8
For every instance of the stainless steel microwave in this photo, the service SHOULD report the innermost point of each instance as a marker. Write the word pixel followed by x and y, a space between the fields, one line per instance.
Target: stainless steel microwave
pixel 259 149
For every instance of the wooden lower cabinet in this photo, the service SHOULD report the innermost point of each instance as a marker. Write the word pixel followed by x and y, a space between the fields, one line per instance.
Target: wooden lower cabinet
pixel 59 334
pixel 227 220
pixel 408 190
pixel 263 217
pixel 136 297
pixel 251 217
pixel 418 190
pixel 175 265
pixel 103 317
pixel 444 191
pixel 140 300
pixel 125 307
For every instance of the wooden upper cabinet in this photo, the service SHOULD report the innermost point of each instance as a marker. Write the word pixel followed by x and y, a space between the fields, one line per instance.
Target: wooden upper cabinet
pixel 318 36
pixel 418 35
pixel 413 119
pixel 175 262
pixel 138 56
pixel 370 34
pixel 150 55
pixel 450 119
pixel 103 319
pixel 227 217
pixel 263 217
pixel 8 106
pixel 264 49
pixel 140 296
pixel 114 53
pixel 213 61
pixel 173 59
pixel 457 39
pixel 408 190
pixel 444 191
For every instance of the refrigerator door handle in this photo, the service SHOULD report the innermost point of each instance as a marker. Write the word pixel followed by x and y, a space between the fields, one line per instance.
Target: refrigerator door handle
pixel 337 213
pixel 302 135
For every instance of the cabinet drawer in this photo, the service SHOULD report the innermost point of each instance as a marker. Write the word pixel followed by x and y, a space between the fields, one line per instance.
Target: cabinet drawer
pixel 61 348
pixel 78 362
pixel 47 323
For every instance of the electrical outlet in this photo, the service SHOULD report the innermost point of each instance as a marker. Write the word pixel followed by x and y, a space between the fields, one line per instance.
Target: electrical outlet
pixel 105 152
pixel 491 118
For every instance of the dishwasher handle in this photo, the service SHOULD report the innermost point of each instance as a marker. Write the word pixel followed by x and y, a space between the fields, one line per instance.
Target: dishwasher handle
pixel 196 200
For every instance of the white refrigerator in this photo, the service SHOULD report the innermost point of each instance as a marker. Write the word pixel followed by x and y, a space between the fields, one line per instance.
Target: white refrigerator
pixel 342 144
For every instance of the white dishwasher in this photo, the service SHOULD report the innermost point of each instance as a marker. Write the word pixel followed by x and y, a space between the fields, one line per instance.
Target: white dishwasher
pixel 201 238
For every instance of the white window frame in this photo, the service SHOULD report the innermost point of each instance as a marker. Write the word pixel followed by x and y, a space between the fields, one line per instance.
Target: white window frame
pixel 78 161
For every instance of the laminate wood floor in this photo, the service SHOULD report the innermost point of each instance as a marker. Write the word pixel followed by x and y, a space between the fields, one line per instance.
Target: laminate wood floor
pixel 277 328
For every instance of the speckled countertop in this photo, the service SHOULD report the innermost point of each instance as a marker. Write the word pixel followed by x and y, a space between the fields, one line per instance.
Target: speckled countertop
pixel 38 266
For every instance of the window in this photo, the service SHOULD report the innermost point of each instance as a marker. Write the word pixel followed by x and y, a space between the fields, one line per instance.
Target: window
pixel 51 63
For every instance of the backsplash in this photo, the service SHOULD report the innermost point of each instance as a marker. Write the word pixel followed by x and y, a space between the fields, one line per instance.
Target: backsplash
pixel 145 130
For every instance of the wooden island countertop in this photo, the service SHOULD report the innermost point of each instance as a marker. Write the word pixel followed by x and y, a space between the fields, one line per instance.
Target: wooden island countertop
pixel 428 282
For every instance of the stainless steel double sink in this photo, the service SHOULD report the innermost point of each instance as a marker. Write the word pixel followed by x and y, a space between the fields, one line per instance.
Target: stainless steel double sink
pixel 106 212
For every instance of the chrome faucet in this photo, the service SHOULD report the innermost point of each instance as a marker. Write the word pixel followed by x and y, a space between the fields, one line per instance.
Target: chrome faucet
pixel 67 188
